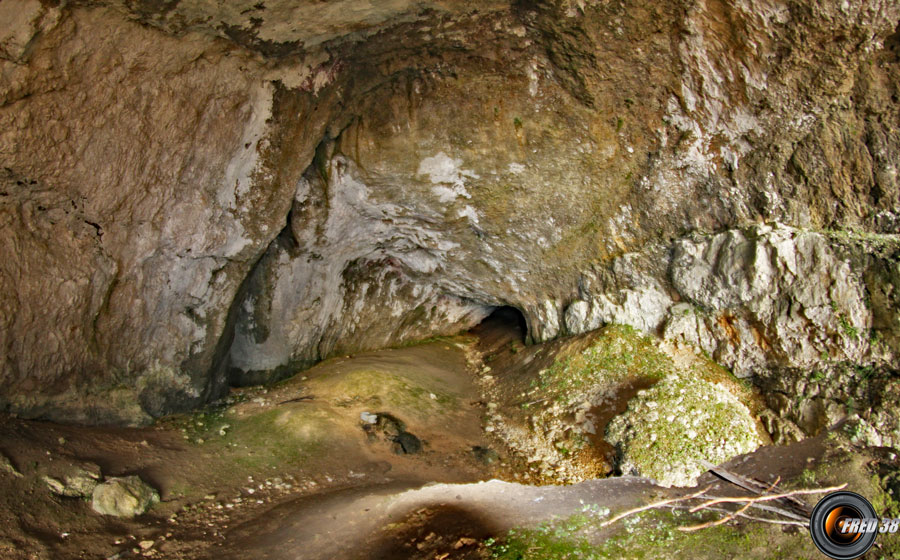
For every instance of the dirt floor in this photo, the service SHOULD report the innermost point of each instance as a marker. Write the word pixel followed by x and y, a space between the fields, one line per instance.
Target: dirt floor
pixel 295 471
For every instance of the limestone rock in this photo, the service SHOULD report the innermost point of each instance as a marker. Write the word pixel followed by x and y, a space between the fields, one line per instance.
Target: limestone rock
pixel 861 432
pixel 112 267
pixel 74 487
pixel 24 21
pixel 805 403
pixel 124 497
pixel 645 309
pixel 769 296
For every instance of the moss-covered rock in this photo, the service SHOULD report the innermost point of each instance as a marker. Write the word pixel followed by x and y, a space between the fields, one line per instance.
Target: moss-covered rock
pixel 670 430
pixel 620 375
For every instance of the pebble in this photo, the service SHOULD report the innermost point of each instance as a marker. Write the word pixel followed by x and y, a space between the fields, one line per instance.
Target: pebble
pixel 146 545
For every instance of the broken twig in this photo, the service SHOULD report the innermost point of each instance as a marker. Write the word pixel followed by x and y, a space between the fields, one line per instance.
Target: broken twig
pixel 727 518
pixel 298 399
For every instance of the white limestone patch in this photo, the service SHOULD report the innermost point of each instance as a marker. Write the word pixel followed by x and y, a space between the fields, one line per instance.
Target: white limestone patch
pixel 447 176
pixel 533 80
pixel 644 308
pixel 470 213
pixel 516 168
pixel 240 169
pixel 773 295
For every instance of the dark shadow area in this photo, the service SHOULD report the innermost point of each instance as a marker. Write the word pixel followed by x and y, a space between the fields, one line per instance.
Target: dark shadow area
pixel 506 325
pixel 601 416
pixel 442 531
pixel 892 43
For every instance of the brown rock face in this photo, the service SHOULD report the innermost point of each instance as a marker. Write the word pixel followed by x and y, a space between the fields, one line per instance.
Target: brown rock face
pixel 194 196
pixel 129 156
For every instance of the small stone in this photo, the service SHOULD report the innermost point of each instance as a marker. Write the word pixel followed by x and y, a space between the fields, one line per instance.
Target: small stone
pixel 391 427
pixel 408 443
pixel 7 466
pixel 464 541
pixel 146 545
pixel 368 417
pixel 80 483
pixel 485 455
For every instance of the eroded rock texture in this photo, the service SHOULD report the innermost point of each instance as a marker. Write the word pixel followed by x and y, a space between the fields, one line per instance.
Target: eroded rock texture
pixel 197 195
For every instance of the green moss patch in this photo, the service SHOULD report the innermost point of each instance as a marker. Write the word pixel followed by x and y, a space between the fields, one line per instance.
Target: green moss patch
pixel 282 436
pixel 652 535
pixel 620 355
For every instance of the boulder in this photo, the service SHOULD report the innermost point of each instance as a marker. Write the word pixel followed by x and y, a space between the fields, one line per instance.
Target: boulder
pixel 124 497
pixel 671 430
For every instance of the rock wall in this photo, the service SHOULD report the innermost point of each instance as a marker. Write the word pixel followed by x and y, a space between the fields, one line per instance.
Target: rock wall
pixel 135 201
pixel 195 195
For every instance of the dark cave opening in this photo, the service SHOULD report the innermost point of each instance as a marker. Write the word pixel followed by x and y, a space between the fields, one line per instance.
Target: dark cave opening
pixel 505 324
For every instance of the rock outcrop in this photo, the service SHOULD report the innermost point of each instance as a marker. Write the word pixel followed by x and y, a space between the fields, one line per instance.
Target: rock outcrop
pixel 197 195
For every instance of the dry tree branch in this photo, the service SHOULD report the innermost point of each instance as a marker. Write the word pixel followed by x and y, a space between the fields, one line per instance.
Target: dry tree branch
pixel 654 505
pixel 773 521
pixel 747 501
pixel 782 512
pixel 717 522
pixel 753 485
pixel 767 498
pixel 727 518
pixel 804 523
